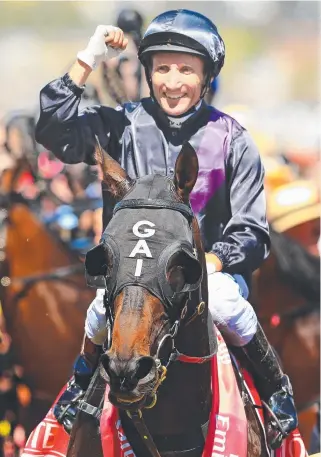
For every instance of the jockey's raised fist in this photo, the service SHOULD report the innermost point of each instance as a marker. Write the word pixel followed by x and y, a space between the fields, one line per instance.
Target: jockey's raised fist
pixel 107 42
pixel 115 38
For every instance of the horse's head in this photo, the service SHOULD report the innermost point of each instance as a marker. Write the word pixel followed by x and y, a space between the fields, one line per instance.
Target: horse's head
pixel 148 258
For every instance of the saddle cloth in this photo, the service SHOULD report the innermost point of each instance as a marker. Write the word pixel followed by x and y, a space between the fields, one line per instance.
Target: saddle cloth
pixel 227 431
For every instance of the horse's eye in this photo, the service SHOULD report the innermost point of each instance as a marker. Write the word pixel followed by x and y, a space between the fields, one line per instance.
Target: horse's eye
pixel 176 278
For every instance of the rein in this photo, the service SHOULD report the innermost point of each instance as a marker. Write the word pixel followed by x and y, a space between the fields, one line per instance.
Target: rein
pixel 58 273
pixel 26 282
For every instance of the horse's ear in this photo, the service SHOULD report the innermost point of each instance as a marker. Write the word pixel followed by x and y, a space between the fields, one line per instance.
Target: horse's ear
pixel 115 177
pixel 186 171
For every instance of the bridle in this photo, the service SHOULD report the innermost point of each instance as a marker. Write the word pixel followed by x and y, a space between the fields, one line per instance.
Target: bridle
pixel 186 316
pixel 175 355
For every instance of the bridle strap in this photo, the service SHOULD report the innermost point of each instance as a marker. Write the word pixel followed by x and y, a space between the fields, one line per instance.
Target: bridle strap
pixel 189 359
pixel 138 421
pixel 157 203
pixel 59 274
pixel 56 274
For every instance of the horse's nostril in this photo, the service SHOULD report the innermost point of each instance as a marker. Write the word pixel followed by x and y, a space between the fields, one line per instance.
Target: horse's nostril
pixel 144 367
pixel 124 375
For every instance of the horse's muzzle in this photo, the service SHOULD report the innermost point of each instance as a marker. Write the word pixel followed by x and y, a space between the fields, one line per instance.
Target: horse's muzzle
pixel 131 381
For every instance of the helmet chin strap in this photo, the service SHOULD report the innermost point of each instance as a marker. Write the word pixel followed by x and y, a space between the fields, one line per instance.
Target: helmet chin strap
pixel 207 82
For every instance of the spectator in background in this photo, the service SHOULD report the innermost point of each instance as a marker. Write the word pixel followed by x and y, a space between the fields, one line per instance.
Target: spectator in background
pixel 53 187
pixel 124 78
pixel 131 23
pixel 19 146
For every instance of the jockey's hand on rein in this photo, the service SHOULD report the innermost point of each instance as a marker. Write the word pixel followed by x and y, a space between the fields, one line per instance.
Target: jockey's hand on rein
pixel 107 42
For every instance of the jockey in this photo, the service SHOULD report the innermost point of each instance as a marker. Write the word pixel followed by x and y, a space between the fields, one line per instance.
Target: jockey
pixel 181 52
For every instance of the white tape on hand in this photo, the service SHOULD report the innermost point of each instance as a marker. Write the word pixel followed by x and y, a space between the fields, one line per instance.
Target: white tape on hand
pixel 97 51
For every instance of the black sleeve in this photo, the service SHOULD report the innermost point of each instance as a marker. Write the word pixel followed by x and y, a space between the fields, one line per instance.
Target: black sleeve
pixel 70 135
pixel 246 241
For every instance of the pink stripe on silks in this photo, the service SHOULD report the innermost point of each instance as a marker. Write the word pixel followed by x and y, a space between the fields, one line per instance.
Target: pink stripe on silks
pixel 211 155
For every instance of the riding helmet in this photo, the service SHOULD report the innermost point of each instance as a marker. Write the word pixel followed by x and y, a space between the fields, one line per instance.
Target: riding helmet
pixel 184 31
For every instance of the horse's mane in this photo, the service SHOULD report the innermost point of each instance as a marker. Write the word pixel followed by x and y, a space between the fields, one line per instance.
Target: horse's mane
pixel 296 266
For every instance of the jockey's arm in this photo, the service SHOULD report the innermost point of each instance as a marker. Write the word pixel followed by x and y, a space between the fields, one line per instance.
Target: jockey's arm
pixel 245 242
pixel 79 73
pixel 71 135
pixel 60 128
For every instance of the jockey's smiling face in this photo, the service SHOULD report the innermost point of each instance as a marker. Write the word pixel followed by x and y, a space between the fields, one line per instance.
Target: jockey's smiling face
pixel 177 80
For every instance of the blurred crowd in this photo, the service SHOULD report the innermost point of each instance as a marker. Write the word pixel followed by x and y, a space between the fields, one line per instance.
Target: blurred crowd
pixel 67 198
pixel 15 397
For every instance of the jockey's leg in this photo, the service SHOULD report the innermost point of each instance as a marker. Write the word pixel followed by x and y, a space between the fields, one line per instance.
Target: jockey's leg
pixel 86 363
pixel 237 321
pixel 96 322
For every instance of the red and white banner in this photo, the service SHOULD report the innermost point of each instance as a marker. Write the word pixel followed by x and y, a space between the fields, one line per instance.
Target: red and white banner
pixel 227 432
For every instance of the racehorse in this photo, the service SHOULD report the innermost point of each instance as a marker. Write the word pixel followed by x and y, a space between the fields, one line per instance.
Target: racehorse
pixel 286 295
pixel 42 291
pixel 160 307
